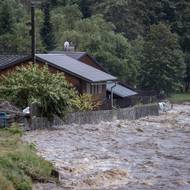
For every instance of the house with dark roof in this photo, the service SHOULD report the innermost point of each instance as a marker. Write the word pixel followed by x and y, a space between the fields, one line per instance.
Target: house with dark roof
pixel 81 70
pixel 83 57
pixel 85 78
pixel 122 94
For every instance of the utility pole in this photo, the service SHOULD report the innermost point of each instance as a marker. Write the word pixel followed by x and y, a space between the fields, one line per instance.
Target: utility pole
pixel 33 33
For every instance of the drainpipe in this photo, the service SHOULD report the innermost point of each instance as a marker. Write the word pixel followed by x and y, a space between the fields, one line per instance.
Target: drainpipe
pixel 112 95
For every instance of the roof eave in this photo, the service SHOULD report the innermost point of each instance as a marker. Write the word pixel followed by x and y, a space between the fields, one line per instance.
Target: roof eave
pixel 123 96
pixel 27 58
pixel 69 72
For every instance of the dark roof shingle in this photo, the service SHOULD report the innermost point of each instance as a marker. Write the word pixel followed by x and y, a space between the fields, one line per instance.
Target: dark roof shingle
pixel 74 54
pixel 120 90
pixel 6 60
pixel 76 67
pixel 63 62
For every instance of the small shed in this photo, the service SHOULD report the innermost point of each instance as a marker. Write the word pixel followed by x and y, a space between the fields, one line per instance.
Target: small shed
pixel 122 95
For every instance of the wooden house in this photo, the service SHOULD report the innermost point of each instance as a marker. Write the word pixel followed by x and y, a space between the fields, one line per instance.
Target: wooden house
pixel 84 77
pixel 82 71
pixel 123 95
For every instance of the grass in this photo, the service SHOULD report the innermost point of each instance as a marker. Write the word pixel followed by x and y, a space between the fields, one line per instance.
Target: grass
pixel 180 98
pixel 19 163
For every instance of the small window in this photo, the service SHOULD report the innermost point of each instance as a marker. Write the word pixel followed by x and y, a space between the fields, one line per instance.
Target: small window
pixel 94 89
pixel 100 89
pixel 88 88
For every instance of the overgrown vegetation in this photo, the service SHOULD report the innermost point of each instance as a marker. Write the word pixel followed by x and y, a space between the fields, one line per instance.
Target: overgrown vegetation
pixel 180 98
pixel 85 102
pixel 19 163
pixel 50 92
pixel 163 67
pixel 114 31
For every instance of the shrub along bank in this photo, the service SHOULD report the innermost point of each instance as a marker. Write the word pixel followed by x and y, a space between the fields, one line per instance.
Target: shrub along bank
pixel 50 92
pixel 19 163
pixel 180 98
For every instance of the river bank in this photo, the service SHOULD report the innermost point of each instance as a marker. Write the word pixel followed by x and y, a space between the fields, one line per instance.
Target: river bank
pixel 149 153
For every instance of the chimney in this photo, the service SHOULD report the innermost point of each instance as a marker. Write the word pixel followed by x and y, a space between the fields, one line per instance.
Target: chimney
pixel 68 46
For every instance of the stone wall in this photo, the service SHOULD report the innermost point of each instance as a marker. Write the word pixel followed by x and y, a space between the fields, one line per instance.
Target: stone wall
pixel 95 117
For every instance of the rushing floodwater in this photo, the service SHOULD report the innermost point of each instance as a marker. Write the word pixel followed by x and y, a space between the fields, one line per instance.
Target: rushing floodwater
pixel 150 153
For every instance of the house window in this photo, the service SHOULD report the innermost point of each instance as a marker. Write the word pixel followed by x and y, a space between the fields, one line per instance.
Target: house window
pixel 88 88
pixel 100 89
pixel 94 89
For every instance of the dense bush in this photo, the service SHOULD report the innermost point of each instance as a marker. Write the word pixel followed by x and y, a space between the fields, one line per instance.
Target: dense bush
pixel 36 85
pixel 84 102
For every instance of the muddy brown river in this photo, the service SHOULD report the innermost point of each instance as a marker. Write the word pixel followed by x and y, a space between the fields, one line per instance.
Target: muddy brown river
pixel 149 153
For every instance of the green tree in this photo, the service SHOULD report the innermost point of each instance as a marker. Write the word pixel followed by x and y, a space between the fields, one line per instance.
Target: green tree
pixel 19 40
pixel 181 25
pixel 49 91
pixel 85 8
pixel 127 16
pixel 46 32
pixel 32 84
pixel 13 34
pixel 64 18
pixel 57 3
pixel 6 17
pixel 97 37
pixel 162 67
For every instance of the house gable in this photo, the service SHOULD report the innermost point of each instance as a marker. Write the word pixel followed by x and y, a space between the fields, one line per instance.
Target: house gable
pixel 89 60
pixel 76 68
pixel 85 78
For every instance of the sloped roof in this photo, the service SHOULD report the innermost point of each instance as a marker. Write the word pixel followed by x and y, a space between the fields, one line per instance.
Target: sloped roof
pixel 74 54
pixel 75 67
pixel 78 55
pixel 6 60
pixel 120 90
pixel 63 62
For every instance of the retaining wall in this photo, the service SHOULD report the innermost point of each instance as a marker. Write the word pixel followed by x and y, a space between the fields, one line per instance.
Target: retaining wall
pixel 95 117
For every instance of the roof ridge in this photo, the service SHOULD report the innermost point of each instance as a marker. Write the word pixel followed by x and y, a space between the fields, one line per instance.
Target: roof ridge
pixel 76 67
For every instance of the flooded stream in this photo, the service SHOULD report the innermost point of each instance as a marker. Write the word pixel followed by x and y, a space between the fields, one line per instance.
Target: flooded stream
pixel 149 153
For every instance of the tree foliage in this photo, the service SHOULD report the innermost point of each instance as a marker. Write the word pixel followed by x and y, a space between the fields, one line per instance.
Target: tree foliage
pixel 51 92
pixel 113 31
pixel 84 102
pixel 46 32
pixel 14 32
pixel 6 18
pixel 97 37
pixel 162 67
pixel 31 84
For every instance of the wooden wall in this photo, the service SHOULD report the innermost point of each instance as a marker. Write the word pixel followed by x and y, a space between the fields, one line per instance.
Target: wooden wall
pixel 76 82
pixel 79 84
pixel 89 61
